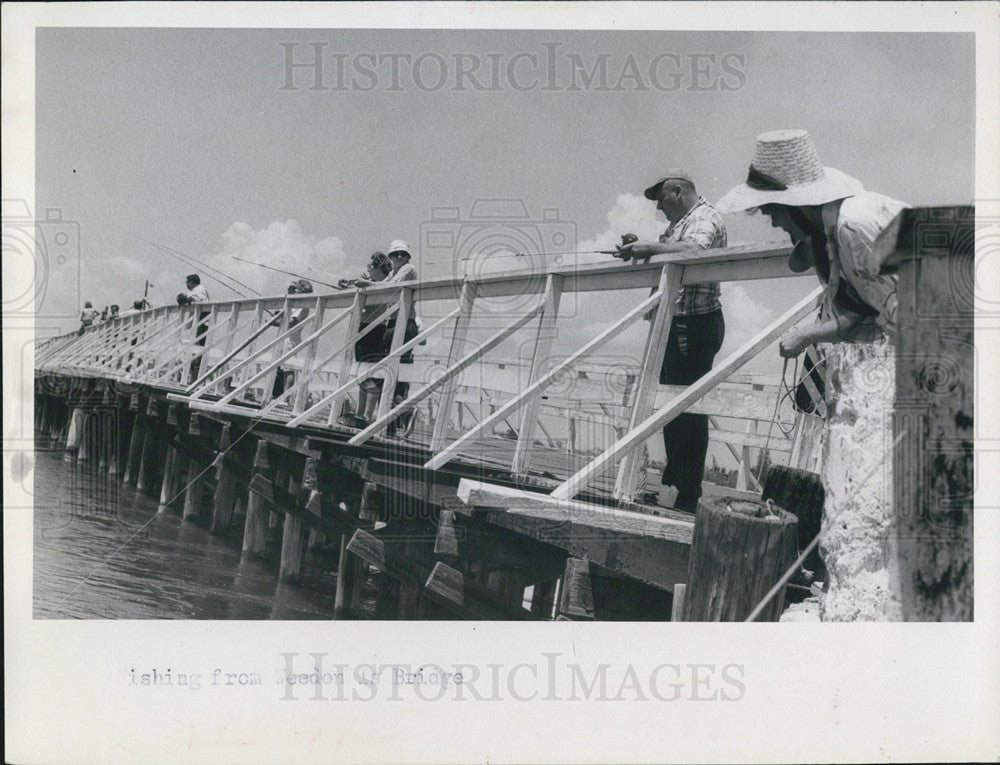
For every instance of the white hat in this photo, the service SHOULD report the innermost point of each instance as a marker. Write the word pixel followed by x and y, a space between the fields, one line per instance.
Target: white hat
pixel 786 170
pixel 398 245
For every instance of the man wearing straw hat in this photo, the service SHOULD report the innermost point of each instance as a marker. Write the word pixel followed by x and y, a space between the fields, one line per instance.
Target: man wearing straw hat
pixel 847 234
pixel 697 329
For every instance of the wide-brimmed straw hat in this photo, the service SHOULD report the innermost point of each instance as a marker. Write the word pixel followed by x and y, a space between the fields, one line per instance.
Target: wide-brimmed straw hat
pixel 786 171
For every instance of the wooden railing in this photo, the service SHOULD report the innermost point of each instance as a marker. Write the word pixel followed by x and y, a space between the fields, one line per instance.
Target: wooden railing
pixel 233 361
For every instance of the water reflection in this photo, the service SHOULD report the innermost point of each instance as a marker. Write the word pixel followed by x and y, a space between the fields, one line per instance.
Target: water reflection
pixel 102 551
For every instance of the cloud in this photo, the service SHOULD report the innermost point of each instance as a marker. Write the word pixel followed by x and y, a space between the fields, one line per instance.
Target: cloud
pixel 281 245
pixel 629 215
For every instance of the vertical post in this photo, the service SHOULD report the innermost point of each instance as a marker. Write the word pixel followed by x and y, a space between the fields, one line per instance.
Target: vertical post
pixel 391 371
pixel 744 480
pixel 194 493
pixel 347 359
pixel 225 485
pixel 75 431
pixel 309 365
pixel 255 529
pixel 677 604
pixel 345 582
pixel 455 352
pixel 543 345
pixel 86 433
pixel 629 470
pixel 276 352
pixel 147 461
pixel 135 444
pixel 169 487
pixel 293 534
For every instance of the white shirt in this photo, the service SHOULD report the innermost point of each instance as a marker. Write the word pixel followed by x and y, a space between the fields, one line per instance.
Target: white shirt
pixel 198 294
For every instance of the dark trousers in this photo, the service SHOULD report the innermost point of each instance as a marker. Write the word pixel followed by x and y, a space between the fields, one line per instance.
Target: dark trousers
pixel 691 348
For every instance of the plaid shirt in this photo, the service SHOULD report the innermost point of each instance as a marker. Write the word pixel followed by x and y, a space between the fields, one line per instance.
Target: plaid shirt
pixel 703 226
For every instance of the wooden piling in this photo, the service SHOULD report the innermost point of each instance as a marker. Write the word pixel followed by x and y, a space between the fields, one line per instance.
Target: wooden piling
pixel 168 490
pixel 85 436
pixel 255 528
pixel 195 490
pixel 150 446
pixel 225 486
pixel 292 538
pixel 343 608
pixel 739 551
pixel 677 607
pixel 74 432
pixel 116 464
pixel 135 447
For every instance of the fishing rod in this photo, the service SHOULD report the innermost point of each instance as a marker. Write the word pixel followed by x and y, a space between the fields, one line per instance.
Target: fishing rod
pixel 191 260
pixel 282 271
pixel 626 239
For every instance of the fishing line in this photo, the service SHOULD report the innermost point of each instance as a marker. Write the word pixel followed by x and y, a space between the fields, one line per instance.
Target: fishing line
pixel 191 260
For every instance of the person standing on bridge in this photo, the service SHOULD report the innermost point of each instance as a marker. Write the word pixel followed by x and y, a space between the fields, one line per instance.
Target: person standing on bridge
pixel 285 378
pixel 697 329
pixel 369 348
pixel 88 316
pixel 402 271
pixel 196 294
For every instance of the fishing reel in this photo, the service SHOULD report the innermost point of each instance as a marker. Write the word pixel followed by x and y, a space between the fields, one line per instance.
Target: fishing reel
pixel 627 239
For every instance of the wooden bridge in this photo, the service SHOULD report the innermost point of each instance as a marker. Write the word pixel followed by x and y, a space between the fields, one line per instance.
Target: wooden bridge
pixel 512 495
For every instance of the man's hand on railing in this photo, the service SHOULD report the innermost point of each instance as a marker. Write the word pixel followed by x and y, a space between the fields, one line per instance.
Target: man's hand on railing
pixel 626 250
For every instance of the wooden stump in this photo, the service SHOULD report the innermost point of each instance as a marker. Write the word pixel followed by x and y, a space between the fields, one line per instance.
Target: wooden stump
pixel 739 551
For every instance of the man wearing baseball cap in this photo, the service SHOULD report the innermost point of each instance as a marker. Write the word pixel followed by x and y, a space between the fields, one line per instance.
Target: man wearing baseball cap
pixel 697 329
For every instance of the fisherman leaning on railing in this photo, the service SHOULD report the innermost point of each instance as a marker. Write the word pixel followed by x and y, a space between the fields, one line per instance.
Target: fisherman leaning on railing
pixel 196 294
pixel 696 330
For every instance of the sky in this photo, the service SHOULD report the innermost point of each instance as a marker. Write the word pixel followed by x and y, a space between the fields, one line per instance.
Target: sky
pixel 206 143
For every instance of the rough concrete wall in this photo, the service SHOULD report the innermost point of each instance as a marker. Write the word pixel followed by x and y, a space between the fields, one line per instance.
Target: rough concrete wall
pixel 857 479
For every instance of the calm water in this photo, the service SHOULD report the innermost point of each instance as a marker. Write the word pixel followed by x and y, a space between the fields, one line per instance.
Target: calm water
pixel 101 551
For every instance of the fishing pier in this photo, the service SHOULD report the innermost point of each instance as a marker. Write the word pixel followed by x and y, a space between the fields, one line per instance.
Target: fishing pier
pixel 496 489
